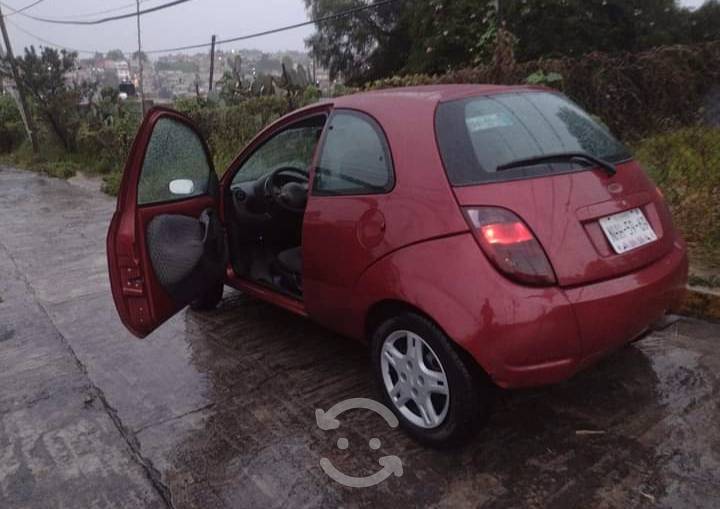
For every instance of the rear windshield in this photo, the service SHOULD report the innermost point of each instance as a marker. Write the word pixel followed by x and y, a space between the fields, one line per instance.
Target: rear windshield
pixel 479 134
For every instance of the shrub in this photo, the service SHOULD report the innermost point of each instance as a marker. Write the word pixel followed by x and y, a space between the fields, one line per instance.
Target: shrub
pixel 105 146
pixel 12 131
pixel 636 94
pixel 228 129
pixel 686 166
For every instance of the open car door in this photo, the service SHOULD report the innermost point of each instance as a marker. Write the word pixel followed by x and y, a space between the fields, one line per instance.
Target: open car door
pixel 166 244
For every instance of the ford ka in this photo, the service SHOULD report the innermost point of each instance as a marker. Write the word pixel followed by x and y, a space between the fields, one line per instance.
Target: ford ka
pixel 472 235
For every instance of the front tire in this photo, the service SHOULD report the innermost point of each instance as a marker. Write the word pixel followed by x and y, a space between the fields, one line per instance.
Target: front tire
pixel 440 398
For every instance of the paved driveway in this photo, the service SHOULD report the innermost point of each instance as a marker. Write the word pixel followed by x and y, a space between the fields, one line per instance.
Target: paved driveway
pixel 218 409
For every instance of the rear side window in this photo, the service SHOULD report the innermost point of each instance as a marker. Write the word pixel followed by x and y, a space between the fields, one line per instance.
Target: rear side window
pixel 355 157
pixel 480 134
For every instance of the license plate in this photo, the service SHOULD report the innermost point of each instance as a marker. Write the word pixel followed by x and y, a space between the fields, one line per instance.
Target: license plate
pixel 628 230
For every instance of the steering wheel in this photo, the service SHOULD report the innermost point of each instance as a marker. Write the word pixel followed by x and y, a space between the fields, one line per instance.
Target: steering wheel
pixel 290 193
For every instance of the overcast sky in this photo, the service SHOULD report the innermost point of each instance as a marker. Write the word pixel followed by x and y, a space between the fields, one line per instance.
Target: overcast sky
pixel 190 23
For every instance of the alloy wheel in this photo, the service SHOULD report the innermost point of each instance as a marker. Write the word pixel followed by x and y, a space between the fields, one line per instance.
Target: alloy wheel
pixel 414 379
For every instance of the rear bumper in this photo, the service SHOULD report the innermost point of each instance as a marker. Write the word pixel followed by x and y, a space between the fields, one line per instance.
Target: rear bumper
pixel 607 315
pixel 613 313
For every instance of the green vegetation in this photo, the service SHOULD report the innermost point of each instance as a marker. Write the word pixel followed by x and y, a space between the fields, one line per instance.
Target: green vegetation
pixel 12 132
pixel 401 37
pixel 712 281
pixel 436 36
pixel 96 137
pixel 573 28
pixel 686 166
pixel 635 94
pixel 551 79
pixel 52 161
pixel 228 128
pixel 55 101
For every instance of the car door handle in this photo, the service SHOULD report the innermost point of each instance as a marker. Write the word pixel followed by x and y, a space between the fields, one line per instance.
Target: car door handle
pixel 205 220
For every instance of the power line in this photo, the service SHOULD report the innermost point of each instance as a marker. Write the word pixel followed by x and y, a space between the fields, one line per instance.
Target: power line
pixel 337 15
pixel 330 17
pixel 98 13
pixel 22 9
pixel 49 43
pixel 103 20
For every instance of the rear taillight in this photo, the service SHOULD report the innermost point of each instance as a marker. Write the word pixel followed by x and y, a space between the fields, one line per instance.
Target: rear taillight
pixel 510 245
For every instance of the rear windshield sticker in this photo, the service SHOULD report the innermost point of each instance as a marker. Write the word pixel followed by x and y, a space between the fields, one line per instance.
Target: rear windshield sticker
pixel 488 121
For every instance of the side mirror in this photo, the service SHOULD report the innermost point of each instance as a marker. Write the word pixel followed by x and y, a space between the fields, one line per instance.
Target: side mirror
pixel 182 187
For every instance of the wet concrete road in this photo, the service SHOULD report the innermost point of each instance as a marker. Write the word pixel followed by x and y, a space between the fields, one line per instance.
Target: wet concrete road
pixel 218 409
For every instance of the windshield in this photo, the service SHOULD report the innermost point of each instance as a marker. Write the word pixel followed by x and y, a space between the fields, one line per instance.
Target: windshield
pixel 477 136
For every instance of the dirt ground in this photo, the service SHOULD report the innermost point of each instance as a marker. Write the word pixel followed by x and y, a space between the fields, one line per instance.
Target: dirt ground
pixel 218 409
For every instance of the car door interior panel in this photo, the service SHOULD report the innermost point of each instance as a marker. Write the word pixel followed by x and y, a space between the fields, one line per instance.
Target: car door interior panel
pixel 187 253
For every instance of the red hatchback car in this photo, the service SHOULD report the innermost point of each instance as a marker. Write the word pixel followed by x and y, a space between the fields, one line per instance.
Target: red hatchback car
pixel 474 235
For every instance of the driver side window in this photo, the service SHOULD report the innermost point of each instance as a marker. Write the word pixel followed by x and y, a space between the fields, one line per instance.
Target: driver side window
pixel 292 147
pixel 175 153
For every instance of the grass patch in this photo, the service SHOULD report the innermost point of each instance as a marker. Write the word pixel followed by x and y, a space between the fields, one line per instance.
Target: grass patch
pixel 111 183
pixel 55 162
pixel 712 281
pixel 686 166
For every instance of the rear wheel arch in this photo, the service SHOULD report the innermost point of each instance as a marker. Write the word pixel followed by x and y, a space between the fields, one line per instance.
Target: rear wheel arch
pixel 386 309
pixel 415 278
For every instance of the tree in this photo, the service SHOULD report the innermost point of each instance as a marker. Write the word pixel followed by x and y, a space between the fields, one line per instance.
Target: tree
pixel 447 34
pixel 11 128
pixel 142 54
pixel 430 36
pixel 367 45
pixel 115 54
pixel 574 27
pixel 434 36
pixel 42 76
pixel 705 22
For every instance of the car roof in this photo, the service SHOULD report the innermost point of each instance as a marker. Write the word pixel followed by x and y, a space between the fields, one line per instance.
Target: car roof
pixel 412 101
pixel 414 96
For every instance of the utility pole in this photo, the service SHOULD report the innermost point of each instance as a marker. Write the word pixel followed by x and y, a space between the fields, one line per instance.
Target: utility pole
pixel 24 110
pixel 2 56
pixel 212 63
pixel 140 60
pixel 2 83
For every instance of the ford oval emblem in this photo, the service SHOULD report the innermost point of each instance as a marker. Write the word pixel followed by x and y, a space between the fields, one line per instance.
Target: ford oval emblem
pixel 615 188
